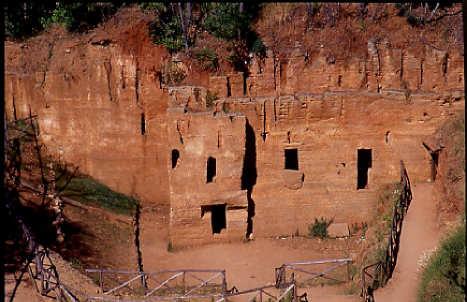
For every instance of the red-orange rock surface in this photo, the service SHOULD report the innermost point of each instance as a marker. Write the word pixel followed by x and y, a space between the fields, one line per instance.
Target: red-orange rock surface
pixel 101 106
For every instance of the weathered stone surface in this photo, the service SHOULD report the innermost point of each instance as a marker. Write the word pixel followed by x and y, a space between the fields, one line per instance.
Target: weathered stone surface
pixel 293 179
pixel 93 101
pixel 338 230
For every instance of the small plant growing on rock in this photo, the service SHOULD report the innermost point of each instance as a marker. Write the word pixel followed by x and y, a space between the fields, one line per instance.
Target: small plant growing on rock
pixel 319 228
pixel 208 59
pixel 172 74
pixel 211 97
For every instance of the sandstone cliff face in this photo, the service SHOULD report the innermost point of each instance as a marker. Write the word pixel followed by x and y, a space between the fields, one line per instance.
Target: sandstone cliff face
pixel 93 97
pixel 101 106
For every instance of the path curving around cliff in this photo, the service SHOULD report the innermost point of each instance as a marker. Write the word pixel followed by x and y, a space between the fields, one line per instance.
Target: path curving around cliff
pixel 420 235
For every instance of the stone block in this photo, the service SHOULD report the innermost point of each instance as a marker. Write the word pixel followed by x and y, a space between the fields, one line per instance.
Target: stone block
pixel 293 179
pixel 338 230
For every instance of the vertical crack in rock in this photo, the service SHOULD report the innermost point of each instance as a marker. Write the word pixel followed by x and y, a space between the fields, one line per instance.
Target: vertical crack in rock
pixel 139 256
pixel 445 67
pixel 249 173
pixel 47 63
pixel 179 133
pixel 275 110
pixel 137 79
pixel 264 133
pixel 401 74
pixel 218 139
pixel 421 73
pixel 378 75
pixel 108 72
pixel 14 108
pixel 122 77
pixel 374 52
pixel 275 70
pixel 364 84
pixel 341 107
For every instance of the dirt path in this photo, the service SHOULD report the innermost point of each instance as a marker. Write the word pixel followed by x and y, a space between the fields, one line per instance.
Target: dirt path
pixel 420 234
pixel 247 264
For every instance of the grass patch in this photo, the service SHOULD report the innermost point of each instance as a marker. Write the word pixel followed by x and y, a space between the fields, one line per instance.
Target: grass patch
pixel 207 58
pixel 319 228
pixel 89 191
pixel 444 277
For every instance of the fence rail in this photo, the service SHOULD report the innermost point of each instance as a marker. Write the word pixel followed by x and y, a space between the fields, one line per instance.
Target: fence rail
pixel 181 283
pixel 378 274
pixel 302 268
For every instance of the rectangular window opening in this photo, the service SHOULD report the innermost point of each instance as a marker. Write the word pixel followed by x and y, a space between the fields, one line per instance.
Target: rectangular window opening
pixel 434 164
pixel 175 157
pixel 291 159
pixel 364 162
pixel 218 216
pixel 211 169
pixel 229 89
pixel 143 124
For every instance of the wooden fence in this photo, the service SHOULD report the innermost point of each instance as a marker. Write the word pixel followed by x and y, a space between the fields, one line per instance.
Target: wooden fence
pixel 308 271
pixel 378 274
pixel 160 285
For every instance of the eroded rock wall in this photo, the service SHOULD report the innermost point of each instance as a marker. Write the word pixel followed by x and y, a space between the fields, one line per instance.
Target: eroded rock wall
pixel 98 106
pixel 327 130
pixel 205 171
pixel 385 69
pixel 101 105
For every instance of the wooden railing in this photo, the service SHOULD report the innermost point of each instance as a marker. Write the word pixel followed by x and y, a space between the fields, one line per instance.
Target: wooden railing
pixel 162 284
pixel 378 274
pixel 307 271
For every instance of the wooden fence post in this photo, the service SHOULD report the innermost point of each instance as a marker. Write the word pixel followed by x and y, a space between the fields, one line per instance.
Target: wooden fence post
pixel 101 281
pixel 224 283
pixel 184 282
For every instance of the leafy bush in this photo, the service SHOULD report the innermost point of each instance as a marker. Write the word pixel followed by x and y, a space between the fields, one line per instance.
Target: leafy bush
pixel 211 97
pixel 258 47
pixel 62 15
pixel 444 277
pixel 23 19
pixel 208 59
pixel 319 228
pixel 172 74
pixel 152 6
pixel 224 20
pixel 166 30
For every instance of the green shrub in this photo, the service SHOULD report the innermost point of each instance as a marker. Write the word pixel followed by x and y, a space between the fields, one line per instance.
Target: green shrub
pixel 78 16
pixel 172 74
pixel 319 228
pixel 168 32
pixel 208 59
pixel 211 97
pixel 258 47
pixel 76 263
pixel 224 20
pixel 225 107
pixel 62 15
pixel 153 6
pixel 444 277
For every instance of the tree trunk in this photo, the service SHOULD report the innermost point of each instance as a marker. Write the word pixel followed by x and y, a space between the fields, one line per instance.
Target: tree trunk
pixel 240 12
pixel 182 22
